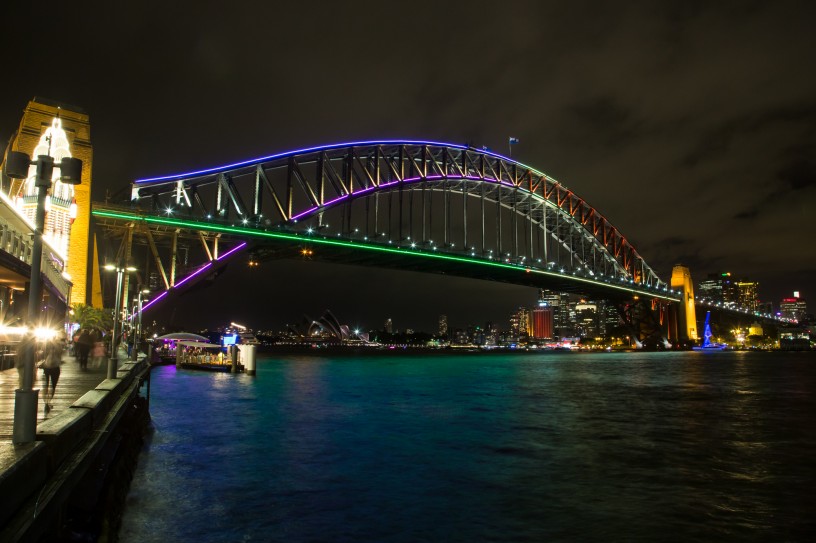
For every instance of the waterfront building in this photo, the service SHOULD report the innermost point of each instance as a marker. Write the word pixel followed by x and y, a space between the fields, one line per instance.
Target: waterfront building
pixel 460 337
pixel 389 326
pixel 765 308
pixel 491 334
pixel 793 308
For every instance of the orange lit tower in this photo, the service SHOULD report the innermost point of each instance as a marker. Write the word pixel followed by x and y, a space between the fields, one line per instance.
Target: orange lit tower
pixel 60 130
pixel 681 280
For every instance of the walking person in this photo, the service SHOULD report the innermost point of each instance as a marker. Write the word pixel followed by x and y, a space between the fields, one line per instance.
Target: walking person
pixel 98 351
pixel 84 344
pixel 51 367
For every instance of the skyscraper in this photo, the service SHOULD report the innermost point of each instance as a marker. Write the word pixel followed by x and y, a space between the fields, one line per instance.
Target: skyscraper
pixel 747 294
pixel 543 322
pixel 555 301
pixel 443 325
pixel 389 326
pixel 520 322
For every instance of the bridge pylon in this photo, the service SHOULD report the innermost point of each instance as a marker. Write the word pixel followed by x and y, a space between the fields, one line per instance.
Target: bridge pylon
pixel 681 280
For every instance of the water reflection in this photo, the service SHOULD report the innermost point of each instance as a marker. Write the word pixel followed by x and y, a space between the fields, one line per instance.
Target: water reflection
pixel 665 446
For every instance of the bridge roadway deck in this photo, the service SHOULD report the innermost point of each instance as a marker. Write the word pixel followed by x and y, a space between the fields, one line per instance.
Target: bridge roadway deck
pixel 72 384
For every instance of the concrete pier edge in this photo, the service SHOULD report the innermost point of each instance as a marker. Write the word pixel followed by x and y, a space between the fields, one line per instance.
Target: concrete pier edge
pixel 36 479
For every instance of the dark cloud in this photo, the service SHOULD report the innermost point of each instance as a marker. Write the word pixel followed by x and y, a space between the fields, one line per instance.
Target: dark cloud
pixel 690 125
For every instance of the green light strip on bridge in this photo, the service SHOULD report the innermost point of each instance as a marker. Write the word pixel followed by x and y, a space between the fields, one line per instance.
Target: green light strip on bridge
pixel 211 227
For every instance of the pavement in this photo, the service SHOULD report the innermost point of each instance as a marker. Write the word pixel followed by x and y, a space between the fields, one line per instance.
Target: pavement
pixel 72 385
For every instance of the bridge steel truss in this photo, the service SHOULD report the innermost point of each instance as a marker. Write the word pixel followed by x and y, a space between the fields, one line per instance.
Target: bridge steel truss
pixel 424 196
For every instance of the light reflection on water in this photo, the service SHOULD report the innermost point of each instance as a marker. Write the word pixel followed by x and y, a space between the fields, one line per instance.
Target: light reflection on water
pixel 669 446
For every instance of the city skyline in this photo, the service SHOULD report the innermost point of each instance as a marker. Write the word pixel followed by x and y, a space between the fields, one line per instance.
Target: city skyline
pixel 636 109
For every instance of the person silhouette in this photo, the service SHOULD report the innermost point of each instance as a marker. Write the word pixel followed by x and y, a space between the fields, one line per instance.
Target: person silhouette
pixel 51 368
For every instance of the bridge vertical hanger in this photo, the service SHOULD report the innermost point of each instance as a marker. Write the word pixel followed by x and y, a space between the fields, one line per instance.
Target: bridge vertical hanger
pixel 514 221
pixel 220 210
pixel 257 197
pixel 289 192
pixel 423 238
pixel 482 198
pixel 173 256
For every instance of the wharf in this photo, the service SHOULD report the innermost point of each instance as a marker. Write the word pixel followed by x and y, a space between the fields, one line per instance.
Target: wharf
pixel 72 385
pixel 67 479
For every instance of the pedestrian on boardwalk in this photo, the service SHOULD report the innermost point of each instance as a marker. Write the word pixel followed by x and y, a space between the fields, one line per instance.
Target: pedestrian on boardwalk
pixel 98 351
pixel 84 344
pixel 51 367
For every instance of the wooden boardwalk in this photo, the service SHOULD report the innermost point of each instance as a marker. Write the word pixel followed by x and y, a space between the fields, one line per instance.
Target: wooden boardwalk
pixel 72 384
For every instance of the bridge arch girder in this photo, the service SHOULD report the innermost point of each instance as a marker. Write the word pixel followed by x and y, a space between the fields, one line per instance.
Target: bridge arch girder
pixel 297 189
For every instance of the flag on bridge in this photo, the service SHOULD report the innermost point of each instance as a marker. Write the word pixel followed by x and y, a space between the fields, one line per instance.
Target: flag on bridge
pixel 512 141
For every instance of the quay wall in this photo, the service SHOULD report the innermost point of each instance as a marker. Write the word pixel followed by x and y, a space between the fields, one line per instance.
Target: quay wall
pixel 67 477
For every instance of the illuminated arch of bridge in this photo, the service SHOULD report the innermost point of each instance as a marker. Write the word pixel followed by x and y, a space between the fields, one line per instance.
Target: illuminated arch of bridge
pixel 430 199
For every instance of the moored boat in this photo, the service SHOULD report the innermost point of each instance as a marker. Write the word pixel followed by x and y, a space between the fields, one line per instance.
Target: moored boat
pixel 164 347
pixel 193 355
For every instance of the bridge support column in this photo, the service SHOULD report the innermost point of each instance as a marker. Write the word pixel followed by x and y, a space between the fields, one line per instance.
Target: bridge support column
pixel 681 279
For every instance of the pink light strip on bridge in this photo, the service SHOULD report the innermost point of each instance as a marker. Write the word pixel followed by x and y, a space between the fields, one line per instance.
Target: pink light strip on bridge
pixel 410 180
pixel 198 271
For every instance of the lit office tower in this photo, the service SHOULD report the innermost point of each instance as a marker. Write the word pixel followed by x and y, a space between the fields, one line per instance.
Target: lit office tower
pixel 543 321
pixel 747 294
pixel 520 322
pixel 586 318
pixel 730 295
pixel 554 301
pixel 718 287
pixel 389 326
pixel 711 288
pixel 609 318
pixel 793 308
pixel 443 325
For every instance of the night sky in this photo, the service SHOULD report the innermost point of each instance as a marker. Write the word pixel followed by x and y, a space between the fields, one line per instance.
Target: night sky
pixel 691 126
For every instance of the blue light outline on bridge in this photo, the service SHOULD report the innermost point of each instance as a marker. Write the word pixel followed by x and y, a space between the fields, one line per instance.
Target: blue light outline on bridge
pixel 291 236
pixel 217 169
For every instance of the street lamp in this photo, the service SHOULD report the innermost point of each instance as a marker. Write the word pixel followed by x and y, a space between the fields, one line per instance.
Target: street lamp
pixel 138 328
pixel 17 165
pixel 113 360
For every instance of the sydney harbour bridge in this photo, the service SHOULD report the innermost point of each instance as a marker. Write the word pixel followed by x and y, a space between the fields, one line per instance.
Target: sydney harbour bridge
pixel 413 205
pixel 423 206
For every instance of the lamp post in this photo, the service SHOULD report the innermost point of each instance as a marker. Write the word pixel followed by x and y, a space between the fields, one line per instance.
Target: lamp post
pixel 113 360
pixel 138 327
pixel 17 164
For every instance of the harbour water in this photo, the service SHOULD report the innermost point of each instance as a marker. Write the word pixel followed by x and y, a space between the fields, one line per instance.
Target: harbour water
pixel 616 447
